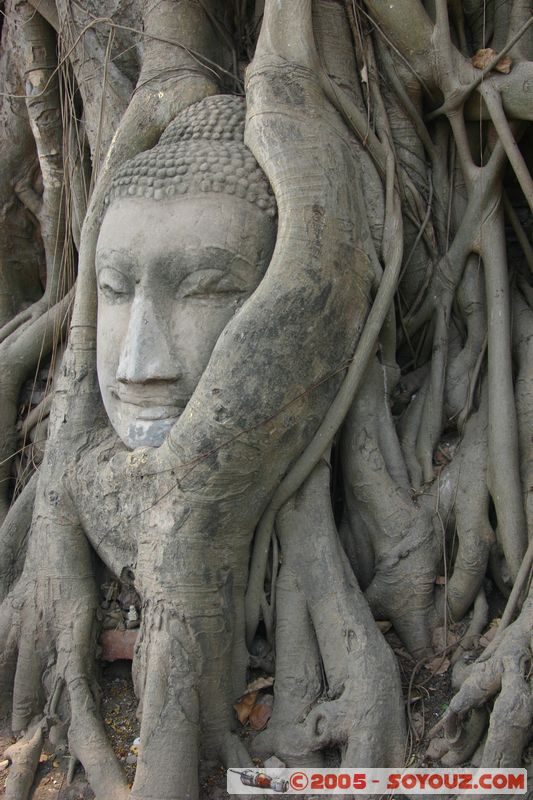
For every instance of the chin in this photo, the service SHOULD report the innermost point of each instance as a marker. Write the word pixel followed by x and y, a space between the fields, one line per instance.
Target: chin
pixel 144 433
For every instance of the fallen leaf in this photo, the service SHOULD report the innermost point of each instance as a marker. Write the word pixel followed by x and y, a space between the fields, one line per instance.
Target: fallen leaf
pixel 438 665
pixel 440 580
pixel 442 638
pixel 417 721
pixel 482 58
pixel 490 633
pixel 245 705
pixel 261 713
pixel 259 683
pixel 43 758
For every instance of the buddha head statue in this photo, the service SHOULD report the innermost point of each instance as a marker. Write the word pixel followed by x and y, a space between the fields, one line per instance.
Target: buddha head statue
pixel 187 234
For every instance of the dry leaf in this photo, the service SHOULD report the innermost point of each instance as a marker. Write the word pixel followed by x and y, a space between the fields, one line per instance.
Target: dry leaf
pixel 490 633
pixel 440 580
pixel 504 65
pixel 417 721
pixel 43 758
pixel 482 58
pixel 259 683
pixel 442 638
pixel 401 652
pixel 384 625
pixel 261 713
pixel 438 665
pixel 244 706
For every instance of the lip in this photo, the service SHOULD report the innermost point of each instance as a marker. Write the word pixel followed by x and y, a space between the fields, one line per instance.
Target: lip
pixel 151 407
pixel 157 412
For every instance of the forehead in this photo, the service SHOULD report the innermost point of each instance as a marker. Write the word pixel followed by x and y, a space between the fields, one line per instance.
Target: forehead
pixel 147 228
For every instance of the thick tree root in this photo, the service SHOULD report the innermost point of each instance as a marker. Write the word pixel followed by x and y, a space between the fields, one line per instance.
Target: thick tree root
pixel 24 757
pixel 471 508
pixel 506 672
pixel 363 695
pixel 402 534
pixel 13 536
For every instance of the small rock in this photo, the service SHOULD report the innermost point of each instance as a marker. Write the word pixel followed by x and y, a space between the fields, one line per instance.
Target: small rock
pixel 274 763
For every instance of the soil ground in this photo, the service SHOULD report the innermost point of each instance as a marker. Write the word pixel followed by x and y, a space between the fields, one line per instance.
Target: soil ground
pixel 427 689
pixel 118 708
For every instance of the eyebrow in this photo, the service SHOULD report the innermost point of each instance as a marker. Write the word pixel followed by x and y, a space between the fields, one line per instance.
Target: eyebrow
pixel 231 255
pixel 108 259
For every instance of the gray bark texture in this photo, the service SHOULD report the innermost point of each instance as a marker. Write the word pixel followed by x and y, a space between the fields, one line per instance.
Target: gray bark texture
pixel 266 331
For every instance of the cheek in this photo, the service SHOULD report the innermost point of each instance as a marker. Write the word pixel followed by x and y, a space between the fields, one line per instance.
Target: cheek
pixel 196 328
pixel 112 326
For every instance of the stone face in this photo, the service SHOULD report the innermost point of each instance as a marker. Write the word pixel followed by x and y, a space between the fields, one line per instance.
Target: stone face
pixel 186 239
pixel 118 645
pixel 170 277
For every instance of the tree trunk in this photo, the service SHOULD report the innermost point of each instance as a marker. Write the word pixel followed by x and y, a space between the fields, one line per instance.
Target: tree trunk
pixel 359 424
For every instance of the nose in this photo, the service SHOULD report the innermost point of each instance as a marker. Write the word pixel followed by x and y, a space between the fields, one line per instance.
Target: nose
pixel 147 353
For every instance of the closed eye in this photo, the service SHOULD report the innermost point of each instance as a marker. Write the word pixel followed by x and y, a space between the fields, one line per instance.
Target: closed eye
pixel 211 282
pixel 114 285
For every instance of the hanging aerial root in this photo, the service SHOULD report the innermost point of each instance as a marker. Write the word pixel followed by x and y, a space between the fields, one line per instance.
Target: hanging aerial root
pixel 463 368
pixel 503 451
pixel 471 506
pixel 523 354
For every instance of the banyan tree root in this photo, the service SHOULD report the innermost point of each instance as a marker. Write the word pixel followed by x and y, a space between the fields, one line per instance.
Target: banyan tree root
pixel 360 709
pixel 172 638
pixel 505 672
pixel 404 544
pixel 471 510
pixel 48 639
pixel 181 505
pixel 13 536
pixel 24 757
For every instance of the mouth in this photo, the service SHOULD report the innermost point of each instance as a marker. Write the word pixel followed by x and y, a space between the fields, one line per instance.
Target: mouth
pixel 150 407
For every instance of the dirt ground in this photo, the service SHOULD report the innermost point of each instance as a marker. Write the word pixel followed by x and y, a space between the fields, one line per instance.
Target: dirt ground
pixel 430 695
pixel 427 689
